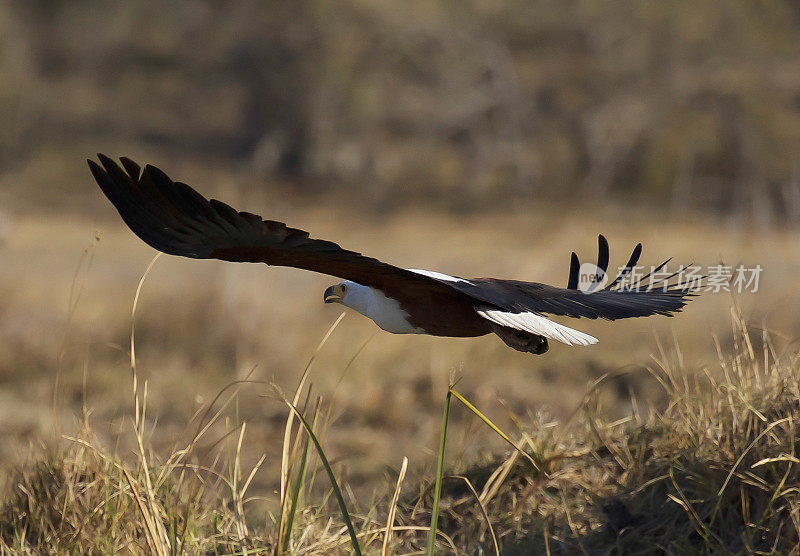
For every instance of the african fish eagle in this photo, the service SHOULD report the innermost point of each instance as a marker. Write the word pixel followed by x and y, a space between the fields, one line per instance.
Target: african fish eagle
pixel 173 218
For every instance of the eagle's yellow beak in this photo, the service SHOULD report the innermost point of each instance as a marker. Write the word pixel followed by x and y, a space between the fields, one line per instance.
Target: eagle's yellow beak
pixel 334 294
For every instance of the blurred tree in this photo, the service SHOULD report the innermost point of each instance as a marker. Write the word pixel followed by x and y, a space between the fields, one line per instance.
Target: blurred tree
pixel 469 102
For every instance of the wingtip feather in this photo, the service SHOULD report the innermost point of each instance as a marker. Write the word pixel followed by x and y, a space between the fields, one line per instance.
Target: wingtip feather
pixel 602 253
pixel 131 167
pixel 574 270
pixel 105 159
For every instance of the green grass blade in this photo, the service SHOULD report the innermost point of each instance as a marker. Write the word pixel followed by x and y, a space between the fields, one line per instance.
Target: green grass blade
pixel 298 485
pixel 495 428
pixel 334 484
pixel 437 491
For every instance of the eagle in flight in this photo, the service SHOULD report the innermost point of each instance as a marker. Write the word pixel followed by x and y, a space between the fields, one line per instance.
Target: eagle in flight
pixel 173 218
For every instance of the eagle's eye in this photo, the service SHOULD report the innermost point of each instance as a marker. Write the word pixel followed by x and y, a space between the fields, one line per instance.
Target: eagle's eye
pixel 344 288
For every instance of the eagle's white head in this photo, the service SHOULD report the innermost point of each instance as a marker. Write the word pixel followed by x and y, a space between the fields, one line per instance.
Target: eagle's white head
pixel 344 293
pixel 372 303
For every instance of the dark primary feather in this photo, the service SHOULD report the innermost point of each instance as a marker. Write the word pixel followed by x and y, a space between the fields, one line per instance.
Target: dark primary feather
pixel 637 251
pixel 173 218
pixel 615 301
pixel 602 265
pixel 518 297
pixel 574 272
pixel 602 259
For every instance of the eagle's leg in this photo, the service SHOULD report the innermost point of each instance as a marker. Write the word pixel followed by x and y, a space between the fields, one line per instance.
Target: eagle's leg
pixel 521 340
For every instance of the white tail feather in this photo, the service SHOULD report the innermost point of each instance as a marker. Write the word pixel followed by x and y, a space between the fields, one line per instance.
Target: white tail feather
pixel 537 324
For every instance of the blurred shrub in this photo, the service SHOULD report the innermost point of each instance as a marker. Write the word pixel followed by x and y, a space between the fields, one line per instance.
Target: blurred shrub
pixel 469 102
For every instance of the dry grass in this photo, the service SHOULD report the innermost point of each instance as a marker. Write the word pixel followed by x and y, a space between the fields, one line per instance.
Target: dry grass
pixel 713 472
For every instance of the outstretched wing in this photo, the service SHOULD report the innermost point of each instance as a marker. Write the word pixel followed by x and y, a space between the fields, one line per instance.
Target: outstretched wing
pixel 175 219
pixel 618 300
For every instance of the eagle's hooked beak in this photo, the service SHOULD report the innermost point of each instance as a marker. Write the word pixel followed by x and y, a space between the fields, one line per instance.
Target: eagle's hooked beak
pixel 334 294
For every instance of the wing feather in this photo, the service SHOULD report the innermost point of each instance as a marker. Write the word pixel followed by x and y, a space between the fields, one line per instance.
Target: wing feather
pixel 574 272
pixel 174 218
pixel 615 301
pixel 537 324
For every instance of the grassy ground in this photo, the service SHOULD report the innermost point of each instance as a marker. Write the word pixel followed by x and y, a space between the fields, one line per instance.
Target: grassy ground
pixel 65 317
pixel 713 472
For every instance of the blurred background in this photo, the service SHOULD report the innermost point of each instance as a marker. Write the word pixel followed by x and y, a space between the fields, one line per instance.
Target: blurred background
pixel 472 137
